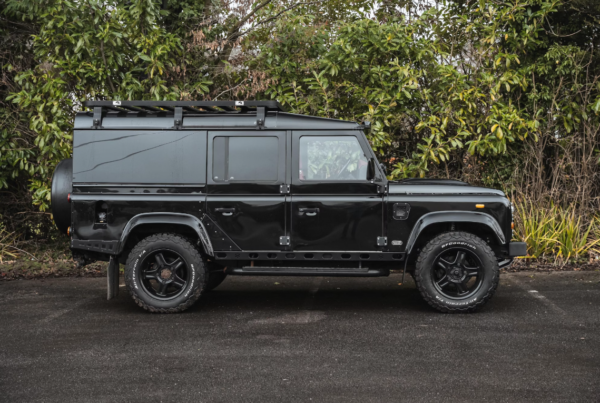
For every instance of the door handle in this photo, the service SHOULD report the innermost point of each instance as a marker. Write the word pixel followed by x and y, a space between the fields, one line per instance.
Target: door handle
pixel 309 212
pixel 227 212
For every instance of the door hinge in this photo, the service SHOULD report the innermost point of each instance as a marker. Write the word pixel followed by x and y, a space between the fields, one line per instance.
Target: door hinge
pixel 381 241
pixel 284 240
pixel 284 189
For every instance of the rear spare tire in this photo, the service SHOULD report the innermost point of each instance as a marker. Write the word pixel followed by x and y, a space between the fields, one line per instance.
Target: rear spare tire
pixel 62 186
pixel 457 272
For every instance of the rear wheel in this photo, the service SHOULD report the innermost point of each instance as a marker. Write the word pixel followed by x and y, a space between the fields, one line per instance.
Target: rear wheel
pixel 457 272
pixel 165 273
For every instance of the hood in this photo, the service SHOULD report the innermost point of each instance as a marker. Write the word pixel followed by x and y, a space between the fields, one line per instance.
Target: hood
pixel 439 186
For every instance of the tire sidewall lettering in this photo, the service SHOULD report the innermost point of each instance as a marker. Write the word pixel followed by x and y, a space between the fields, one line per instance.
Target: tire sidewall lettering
pixel 134 273
pixel 192 259
pixel 458 243
pixel 191 287
pixel 456 303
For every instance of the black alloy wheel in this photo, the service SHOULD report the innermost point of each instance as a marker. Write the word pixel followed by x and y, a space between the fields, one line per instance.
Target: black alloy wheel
pixel 457 273
pixel 164 274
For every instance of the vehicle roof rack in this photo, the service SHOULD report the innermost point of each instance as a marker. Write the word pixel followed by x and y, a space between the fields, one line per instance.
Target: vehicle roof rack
pixel 186 106
pixel 182 108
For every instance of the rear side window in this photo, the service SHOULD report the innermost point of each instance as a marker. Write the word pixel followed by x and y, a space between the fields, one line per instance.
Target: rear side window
pixel 331 158
pixel 245 159
pixel 139 157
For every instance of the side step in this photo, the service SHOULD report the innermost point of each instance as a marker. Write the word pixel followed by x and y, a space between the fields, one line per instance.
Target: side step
pixel 309 271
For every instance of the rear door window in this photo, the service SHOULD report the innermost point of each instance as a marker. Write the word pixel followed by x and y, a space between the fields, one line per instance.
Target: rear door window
pixel 245 159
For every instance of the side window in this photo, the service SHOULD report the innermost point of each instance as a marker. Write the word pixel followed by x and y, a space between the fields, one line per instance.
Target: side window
pixel 331 158
pixel 139 157
pixel 245 159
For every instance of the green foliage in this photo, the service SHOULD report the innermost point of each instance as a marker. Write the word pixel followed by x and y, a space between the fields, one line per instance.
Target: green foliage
pixel 500 93
pixel 89 50
pixel 555 231
pixel 441 83
pixel 121 49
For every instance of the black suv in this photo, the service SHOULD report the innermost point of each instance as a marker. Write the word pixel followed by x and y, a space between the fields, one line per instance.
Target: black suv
pixel 186 193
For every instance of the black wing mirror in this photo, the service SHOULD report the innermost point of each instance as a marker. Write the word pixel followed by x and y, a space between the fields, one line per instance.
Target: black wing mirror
pixel 371 169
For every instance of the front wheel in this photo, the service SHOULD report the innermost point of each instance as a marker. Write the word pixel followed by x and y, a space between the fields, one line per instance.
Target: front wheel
pixel 457 272
pixel 165 273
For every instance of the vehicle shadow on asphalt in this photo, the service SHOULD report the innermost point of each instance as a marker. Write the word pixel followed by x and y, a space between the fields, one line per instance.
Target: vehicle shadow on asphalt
pixel 355 300
pixel 339 295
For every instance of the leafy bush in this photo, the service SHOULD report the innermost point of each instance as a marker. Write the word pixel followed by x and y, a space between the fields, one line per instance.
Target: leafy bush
pixel 498 93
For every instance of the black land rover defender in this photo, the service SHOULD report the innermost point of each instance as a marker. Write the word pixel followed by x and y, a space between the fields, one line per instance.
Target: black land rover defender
pixel 186 193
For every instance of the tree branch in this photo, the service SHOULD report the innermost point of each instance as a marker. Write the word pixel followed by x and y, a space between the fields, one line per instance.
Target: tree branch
pixel 247 17
pixel 231 89
pixel 237 35
pixel 112 87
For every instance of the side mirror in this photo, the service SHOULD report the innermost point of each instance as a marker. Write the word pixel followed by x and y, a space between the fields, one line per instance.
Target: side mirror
pixel 371 170
pixel 383 168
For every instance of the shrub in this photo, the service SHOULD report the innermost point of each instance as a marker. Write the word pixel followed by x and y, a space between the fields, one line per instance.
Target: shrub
pixel 561 232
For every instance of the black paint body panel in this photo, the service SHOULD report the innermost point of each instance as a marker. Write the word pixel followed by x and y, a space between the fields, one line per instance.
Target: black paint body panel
pixel 136 164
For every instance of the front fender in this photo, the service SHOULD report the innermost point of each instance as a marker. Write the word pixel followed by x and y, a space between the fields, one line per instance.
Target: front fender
pixel 168 218
pixel 453 216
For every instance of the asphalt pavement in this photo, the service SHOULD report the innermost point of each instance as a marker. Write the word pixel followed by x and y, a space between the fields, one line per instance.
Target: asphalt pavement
pixel 302 339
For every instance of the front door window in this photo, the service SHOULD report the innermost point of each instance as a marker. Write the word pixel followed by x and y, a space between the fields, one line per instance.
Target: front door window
pixel 331 158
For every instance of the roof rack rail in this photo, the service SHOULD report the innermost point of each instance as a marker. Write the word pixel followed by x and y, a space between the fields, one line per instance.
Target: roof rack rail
pixel 186 106
pixel 182 108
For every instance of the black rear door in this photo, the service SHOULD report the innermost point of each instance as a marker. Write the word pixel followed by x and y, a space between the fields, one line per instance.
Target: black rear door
pixel 334 206
pixel 244 176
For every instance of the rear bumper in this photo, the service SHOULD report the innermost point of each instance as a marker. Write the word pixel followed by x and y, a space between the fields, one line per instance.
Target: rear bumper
pixel 517 249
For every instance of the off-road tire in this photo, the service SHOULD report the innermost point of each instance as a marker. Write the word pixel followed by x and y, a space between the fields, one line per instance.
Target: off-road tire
pixel 215 277
pixel 423 277
pixel 195 264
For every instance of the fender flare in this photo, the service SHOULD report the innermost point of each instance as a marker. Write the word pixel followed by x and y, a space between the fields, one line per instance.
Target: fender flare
pixel 453 216
pixel 187 220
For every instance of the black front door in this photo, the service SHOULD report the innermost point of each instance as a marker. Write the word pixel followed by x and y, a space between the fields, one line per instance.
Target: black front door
pixel 244 176
pixel 334 206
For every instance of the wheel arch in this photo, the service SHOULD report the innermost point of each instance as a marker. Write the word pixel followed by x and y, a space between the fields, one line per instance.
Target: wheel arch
pixel 480 224
pixel 179 223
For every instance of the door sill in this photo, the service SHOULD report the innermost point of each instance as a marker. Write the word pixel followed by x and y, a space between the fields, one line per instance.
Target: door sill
pixel 309 271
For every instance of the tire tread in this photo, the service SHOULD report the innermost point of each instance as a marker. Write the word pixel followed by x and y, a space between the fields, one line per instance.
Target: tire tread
pixel 197 289
pixel 450 237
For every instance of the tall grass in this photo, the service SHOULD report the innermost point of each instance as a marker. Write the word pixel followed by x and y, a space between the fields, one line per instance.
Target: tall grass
pixel 556 232
pixel 7 248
